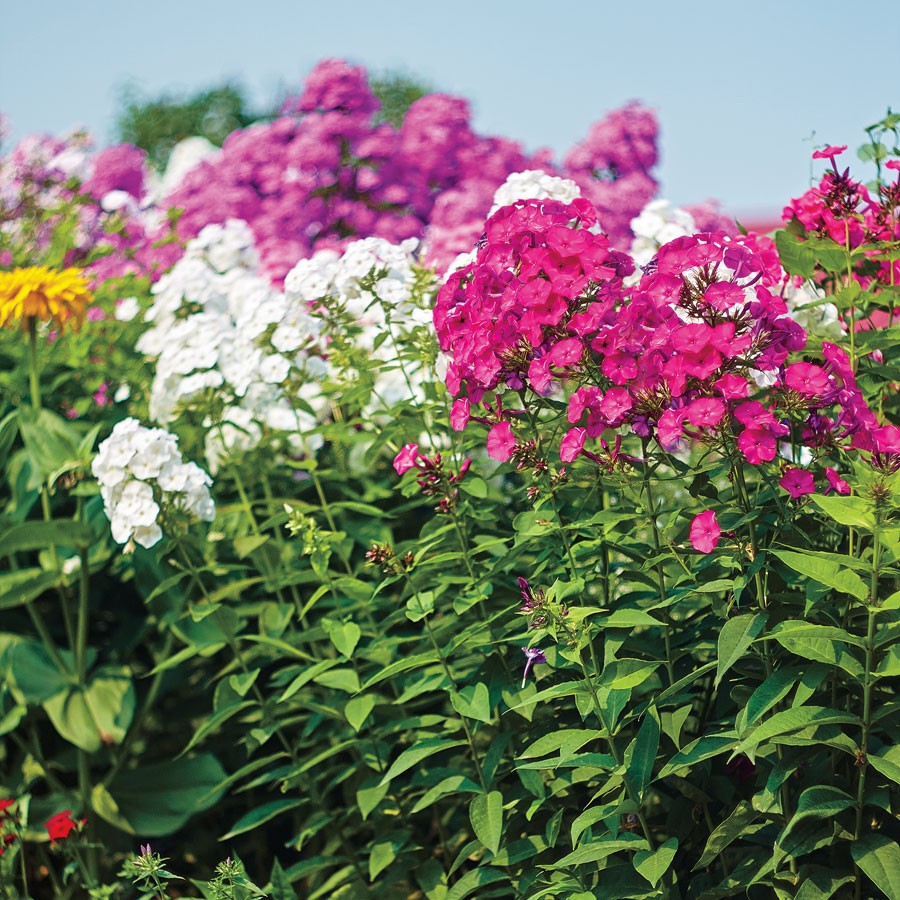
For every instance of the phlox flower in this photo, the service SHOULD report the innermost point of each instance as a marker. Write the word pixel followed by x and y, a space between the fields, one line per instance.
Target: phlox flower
pixel 705 412
pixel 459 414
pixel 757 444
pixel 835 482
pixel 807 379
pixel 501 442
pixel 534 656
pixel 705 532
pixel 572 444
pixel 797 482
pixel 406 459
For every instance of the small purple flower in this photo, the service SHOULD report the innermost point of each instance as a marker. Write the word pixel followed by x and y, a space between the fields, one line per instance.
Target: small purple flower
pixel 535 655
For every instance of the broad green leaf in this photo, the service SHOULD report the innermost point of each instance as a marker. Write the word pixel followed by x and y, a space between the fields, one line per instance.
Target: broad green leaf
pixel 50 441
pixel 279 885
pixel 726 832
pixel 774 688
pixel 241 682
pixel 822 650
pixel 591 816
pixel 357 710
pixel 24 585
pixel 97 714
pixel 791 628
pixel 653 866
pixel 261 814
pixel 416 661
pixel 735 638
pixel 795 256
pixel 627 618
pixel 486 815
pixel 640 756
pixel 341 679
pixel 472 881
pixel 599 850
pixel 879 857
pixel 422 749
pixel 887 761
pixel 453 784
pixel 370 795
pixel 566 740
pixel 627 673
pixel 821 885
pixel 34 673
pixel 473 702
pixel 419 606
pixel 825 571
pixel 793 720
pixel 245 544
pixel 344 635
pixel 855 512
pixel 180 789
pixel 703 747
pixel 382 854
pixel 819 802
pixel 40 535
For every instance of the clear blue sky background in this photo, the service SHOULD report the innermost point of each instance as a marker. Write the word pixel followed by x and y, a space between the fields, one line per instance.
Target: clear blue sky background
pixel 742 90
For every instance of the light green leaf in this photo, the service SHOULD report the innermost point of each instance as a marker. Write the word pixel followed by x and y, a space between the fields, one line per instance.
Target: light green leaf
pixel 735 638
pixel 473 702
pixel 566 740
pixel 472 881
pixel 344 635
pixel 382 854
pixel 855 512
pixel 825 571
pixel 422 749
pixel 793 720
pixel 357 710
pixel 261 814
pixel 419 606
pixel 879 857
pixel 819 802
pixel 453 784
pixel 486 815
pixel 599 850
pixel 653 866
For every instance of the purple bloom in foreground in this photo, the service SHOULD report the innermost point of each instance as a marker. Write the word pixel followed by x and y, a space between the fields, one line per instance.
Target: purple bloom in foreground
pixel 535 656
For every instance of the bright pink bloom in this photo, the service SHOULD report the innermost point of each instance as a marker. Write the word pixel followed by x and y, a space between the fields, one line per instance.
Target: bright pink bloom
pixel 705 412
pixel 797 482
pixel 501 442
pixel 572 444
pixel 732 387
pixel 705 532
pixel 459 414
pixel 836 482
pixel 757 445
pixel 829 152
pixel 406 459
pixel 807 379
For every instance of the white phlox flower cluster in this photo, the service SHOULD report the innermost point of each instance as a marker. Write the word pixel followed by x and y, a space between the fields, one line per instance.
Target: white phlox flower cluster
pixel 215 324
pixel 658 223
pixel 141 471
pixel 534 184
pixel 372 285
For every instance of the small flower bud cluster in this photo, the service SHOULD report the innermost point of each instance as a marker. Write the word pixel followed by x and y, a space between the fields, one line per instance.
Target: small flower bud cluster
pixel 543 612
pixel 433 479
pixel 385 556
pixel 143 479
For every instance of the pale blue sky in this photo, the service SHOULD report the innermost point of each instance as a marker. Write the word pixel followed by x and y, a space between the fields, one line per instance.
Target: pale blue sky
pixel 742 90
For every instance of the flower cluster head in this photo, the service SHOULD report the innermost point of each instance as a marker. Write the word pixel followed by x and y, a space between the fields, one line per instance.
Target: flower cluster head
pixel 544 612
pixel 40 294
pixel 432 477
pixel 144 483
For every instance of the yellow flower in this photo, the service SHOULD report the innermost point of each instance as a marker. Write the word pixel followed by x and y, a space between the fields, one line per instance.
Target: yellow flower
pixel 44 294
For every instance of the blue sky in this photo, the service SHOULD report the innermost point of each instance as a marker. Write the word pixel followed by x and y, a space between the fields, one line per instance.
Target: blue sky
pixel 743 90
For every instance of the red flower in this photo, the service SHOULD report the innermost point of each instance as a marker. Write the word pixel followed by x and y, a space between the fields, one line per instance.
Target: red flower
pixel 60 826
pixel 5 805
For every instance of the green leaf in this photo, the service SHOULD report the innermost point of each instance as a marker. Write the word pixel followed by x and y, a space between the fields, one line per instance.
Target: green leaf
pixel 855 512
pixel 599 850
pixel 453 784
pixel 703 747
pixel 726 832
pixel 382 854
pixel 653 866
pixel 24 585
pixel 795 256
pixel 793 720
pixel 819 802
pixel 486 815
pixel 473 702
pixel 97 714
pixel 369 796
pixel 825 571
pixel 566 740
pixel 419 606
pixel 40 535
pixel 245 544
pixel 344 635
pixel 640 756
pixel 261 814
pixel 879 857
pixel 157 800
pixel 591 816
pixel 279 884
pixel 773 689
pixel 51 441
pixel 341 679
pixel 821 885
pixel 887 761
pixel 735 638
pixel 357 710
pixel 472 881
pixel 401 665
pixel 421 750
pixel 628 673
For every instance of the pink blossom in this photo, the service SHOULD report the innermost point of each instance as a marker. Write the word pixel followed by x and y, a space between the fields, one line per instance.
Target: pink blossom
pixel 459 414
pixel 828 152
pixel 797 482
pixel 705 412
pixel 572 444
pixel 807 379
pixel 835 481
pixel 501 442
pixel 705 532
pixel 757 445
pixel 406 459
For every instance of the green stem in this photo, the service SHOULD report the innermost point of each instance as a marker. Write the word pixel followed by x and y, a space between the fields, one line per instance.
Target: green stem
pixel 660 576
pixel 84 764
